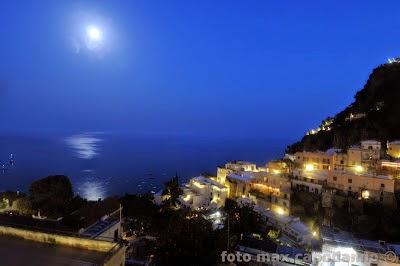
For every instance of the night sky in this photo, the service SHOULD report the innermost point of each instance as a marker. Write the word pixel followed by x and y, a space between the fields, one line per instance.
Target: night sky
pixel 224 68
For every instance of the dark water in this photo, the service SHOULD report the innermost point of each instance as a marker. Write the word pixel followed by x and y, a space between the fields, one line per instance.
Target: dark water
pixel 101 164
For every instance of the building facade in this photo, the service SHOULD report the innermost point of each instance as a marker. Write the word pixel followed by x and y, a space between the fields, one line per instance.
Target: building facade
pixel 365 186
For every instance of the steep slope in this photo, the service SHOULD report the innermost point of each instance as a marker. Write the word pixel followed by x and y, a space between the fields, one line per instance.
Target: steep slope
pixel 375 114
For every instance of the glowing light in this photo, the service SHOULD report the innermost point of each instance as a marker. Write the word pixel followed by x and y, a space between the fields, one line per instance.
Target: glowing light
pixel 279 211
pixel 199 185
pixel 94 33
pixel 309 167
pixel 218 188
pixel 215 199
pixel 187 197
pixel 94 39
pixel 314 233
pixel 358 168
pixel 215 215
pixel 365 194
pixel 275 171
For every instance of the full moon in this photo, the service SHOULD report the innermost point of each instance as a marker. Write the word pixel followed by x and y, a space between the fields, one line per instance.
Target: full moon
pixel 94 33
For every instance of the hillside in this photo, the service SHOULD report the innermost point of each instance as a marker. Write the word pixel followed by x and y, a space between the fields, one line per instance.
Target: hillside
pixel 374 114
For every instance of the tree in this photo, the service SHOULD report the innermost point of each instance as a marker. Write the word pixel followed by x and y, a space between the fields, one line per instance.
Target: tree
pixel 140 211
pixel 3 203
pixel 23 206
pixel 243 219
pixel 51 194
pixel 11 196
pixel 188 241
pixel 172 190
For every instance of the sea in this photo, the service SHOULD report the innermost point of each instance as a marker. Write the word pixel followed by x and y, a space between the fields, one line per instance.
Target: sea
pixel 101 164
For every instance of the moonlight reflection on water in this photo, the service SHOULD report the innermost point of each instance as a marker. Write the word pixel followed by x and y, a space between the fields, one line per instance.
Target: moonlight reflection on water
pixel 102 164
pixel 86 145
pixel 92 188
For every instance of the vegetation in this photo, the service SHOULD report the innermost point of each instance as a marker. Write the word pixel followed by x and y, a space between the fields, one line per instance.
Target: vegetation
pixel 371 220
pixel 51 195
pixel 186 239
pixel 23 206
pixel 378 100
pixel 243 220
pixel 182 236
pixel 185 236
pixel 141 213
pixel 306 206
pixel 11 196
pixel 3 203
pixel 172 190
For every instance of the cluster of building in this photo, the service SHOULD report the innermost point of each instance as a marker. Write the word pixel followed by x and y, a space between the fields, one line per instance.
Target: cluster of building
pixel 267 186
pixel 366 171
pixel 363 171
pixel 337 248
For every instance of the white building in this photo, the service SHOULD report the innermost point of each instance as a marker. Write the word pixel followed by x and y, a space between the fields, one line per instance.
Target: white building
pixel 239 184
pixel 241 166
pixel 340 248
pixel 309 180
pixel 291 226
pixel 271 191
pixel 203 193
pixel 234 167
pixel 366 154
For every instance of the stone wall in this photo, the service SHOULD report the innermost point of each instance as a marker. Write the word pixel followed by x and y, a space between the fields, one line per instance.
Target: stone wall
pixel 70 241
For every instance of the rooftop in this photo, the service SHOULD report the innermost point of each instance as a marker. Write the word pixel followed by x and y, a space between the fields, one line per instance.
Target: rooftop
pixel 35 253
pixel 314 174
pixel 292 222
pixel 240 162
pixel 258 244
pixel 332 151
pixel 342 238
pixel 371 141
pixel 205 180
pixel 100 226
pixel 244 177
pixel 355 147
pixel 371 175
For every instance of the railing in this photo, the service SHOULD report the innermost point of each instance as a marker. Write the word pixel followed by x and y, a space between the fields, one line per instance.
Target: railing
pixel 309 180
